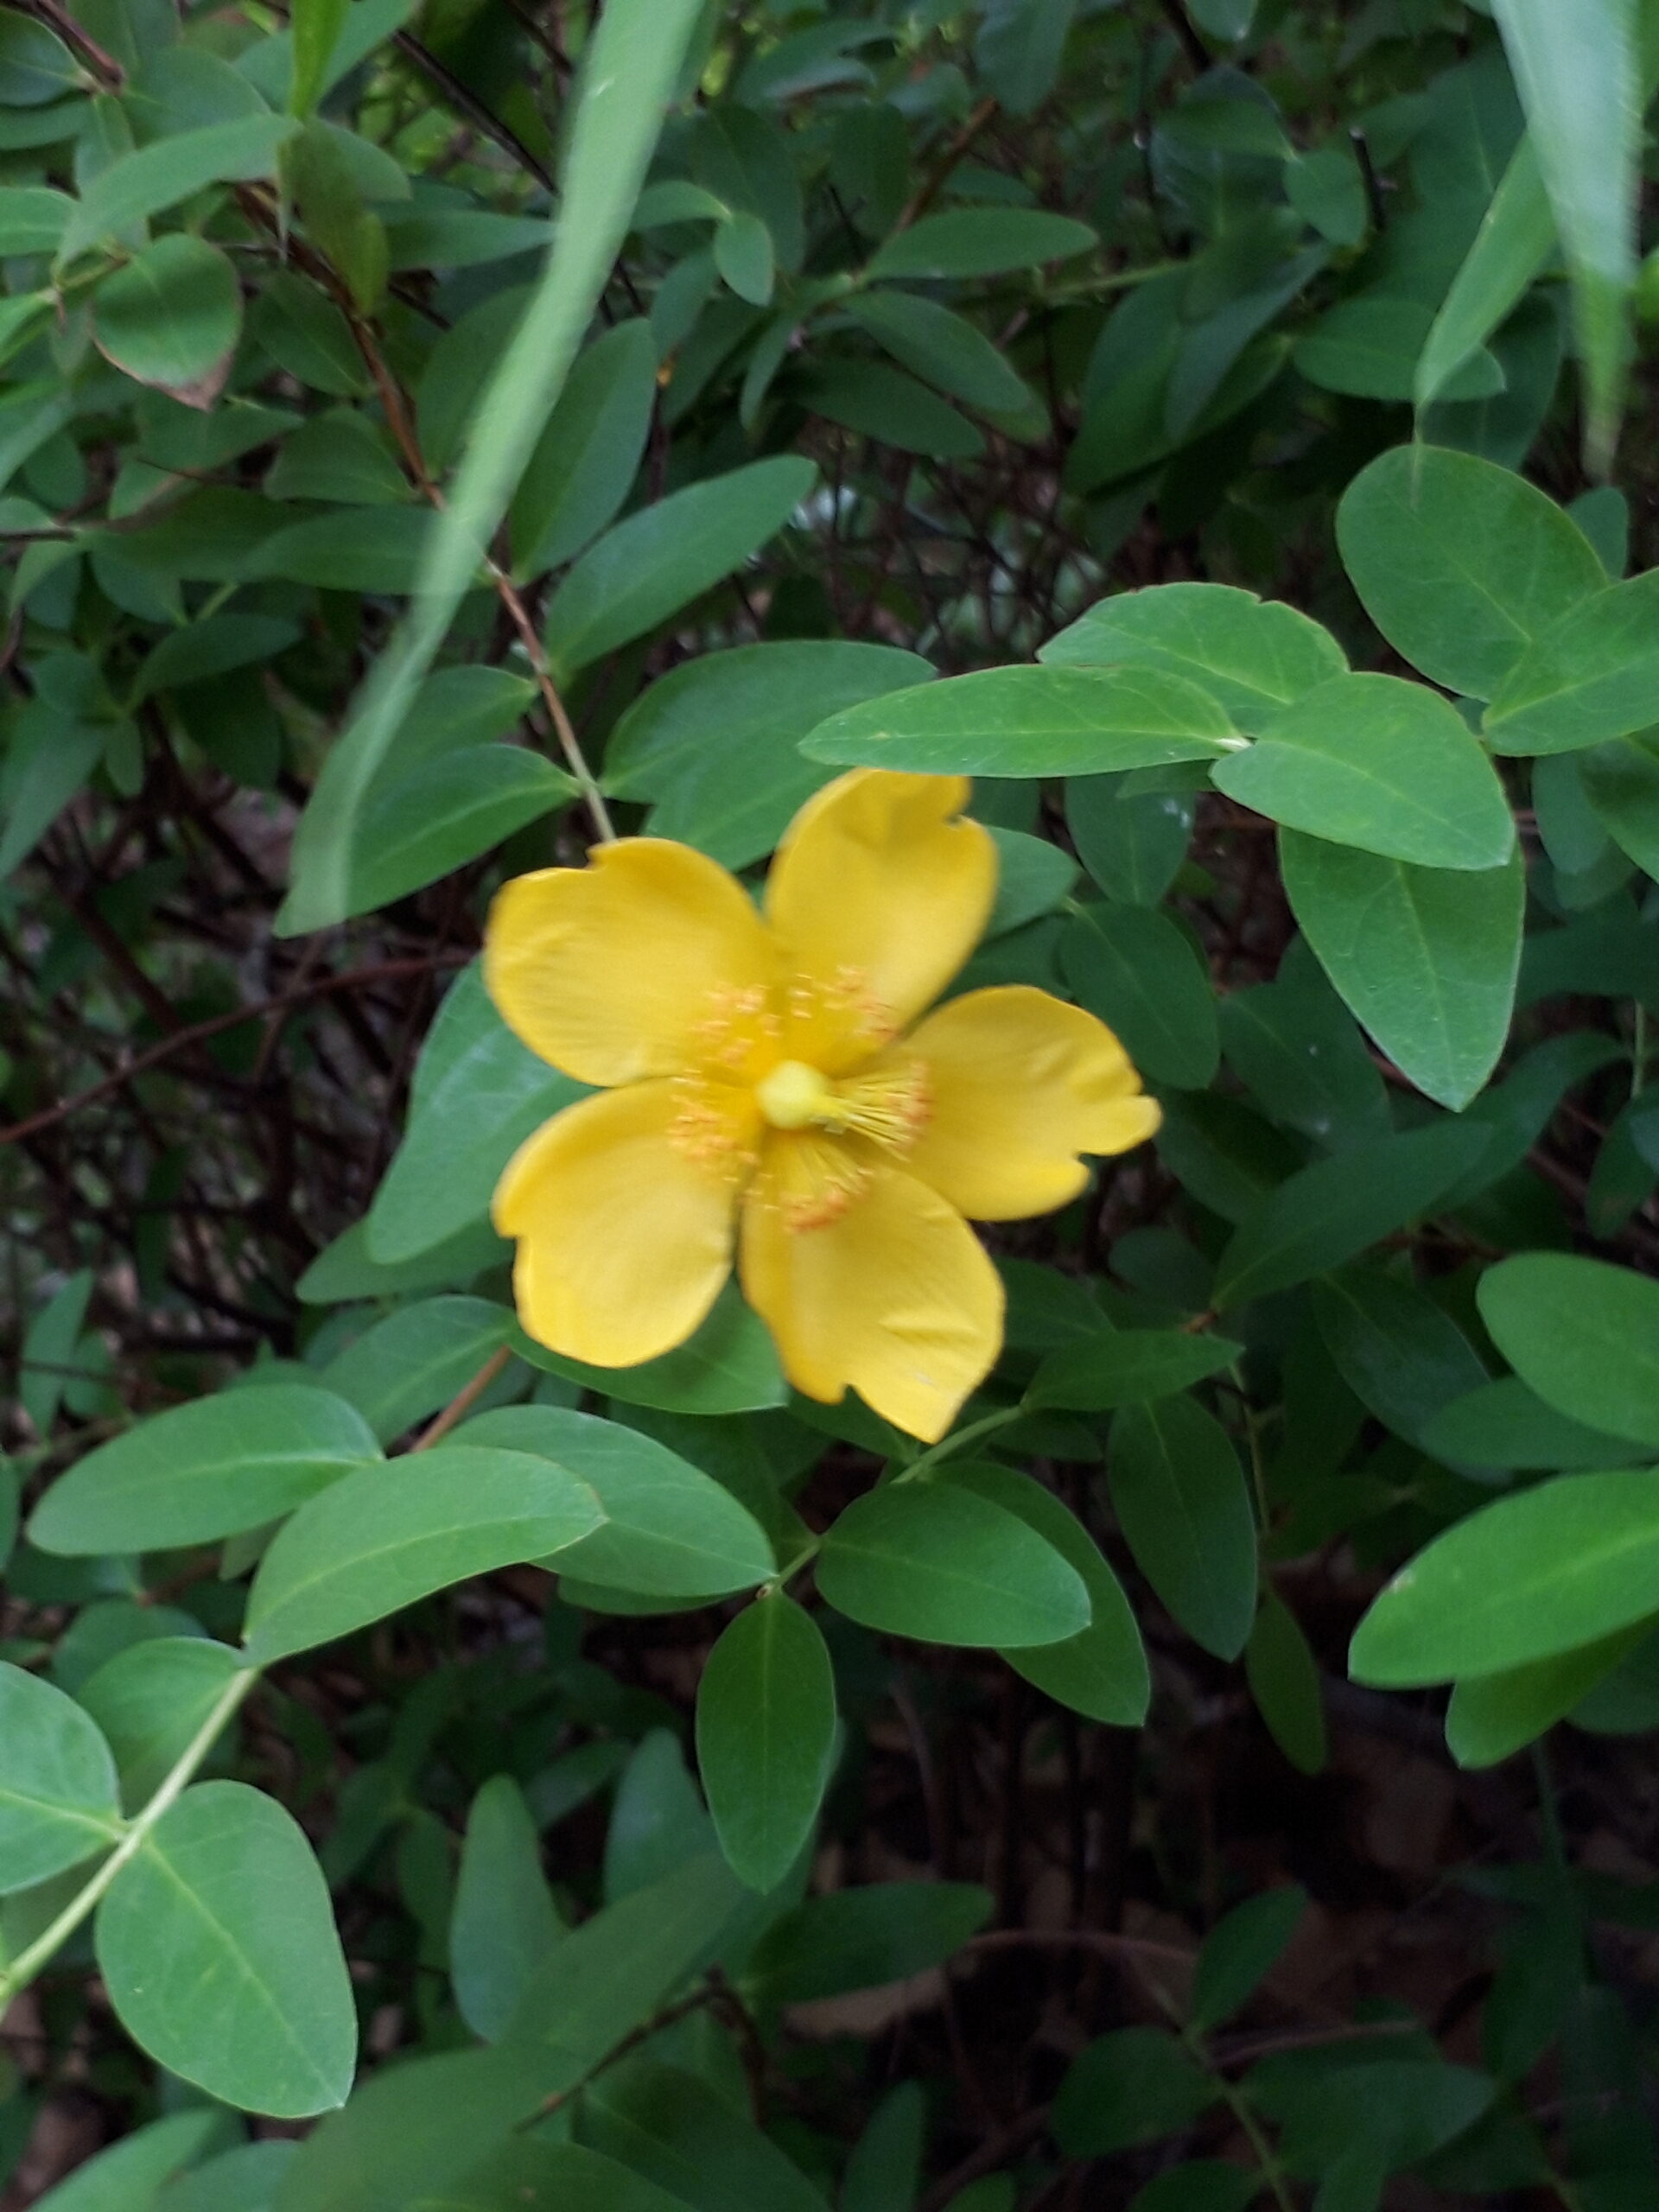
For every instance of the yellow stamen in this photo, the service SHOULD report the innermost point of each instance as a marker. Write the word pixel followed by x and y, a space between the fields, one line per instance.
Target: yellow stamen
pixel 793 1095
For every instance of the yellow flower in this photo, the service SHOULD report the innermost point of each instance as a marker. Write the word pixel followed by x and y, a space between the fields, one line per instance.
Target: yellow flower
pixel 761 1085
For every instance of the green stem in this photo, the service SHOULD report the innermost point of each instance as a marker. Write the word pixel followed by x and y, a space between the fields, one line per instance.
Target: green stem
pixel 950 1445
pixel 28 1961
pixel 1638 1049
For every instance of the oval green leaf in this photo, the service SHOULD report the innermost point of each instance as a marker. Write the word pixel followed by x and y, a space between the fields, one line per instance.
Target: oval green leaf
pixel 395 1532
pixel 204 1470
pixel 58 1800
pixel 216 1943
pixel 1180 1498
pixel 766 1732
pixel 1252 655
pixel 926 1561
pixel 1582 1334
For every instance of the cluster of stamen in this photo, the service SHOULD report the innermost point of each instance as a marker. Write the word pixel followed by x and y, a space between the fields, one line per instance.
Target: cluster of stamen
pixel 746 1079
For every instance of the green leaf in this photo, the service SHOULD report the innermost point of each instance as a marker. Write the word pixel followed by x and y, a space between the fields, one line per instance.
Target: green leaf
pixel 1559 1566
pixel 1621 782
pixel 129 2172
pixel 444 814
pixel 1127 2088
pixel 1426 959
pixel 659 559
pixel 1239 1950
pixel 864 1938
pixel 1585 1336
pixel 216 1943
pixel 883 403
pixel 58 1801
pixel 1514 240
pixel 1203 2184
pixel 941 1565
pixel 680 2133
pixel 1284 1679
pixel 1180 1498
pixel 413 1361
pixel 393 1532
pixel 1368 347
pixel 1252 655
pixel 1494 1715
pixel 171 317
pixel 343 1271
pixel 149 1700
pixel 377 549
pixel 944 348
pixel 1402 1356
pixel 586 458
pixel 340 456
pixel 314 27
pixel 1293 1043
pixel 1030 721
pixel 1330 1212
pixel 527 2172
pixel 1460 563
pixel 714 742
pixel 505 1925
pixel 1505 1425
pixel 1380 763
pixel 1100 1672
pixel 32 216
pixel 1588 677
pixel 1132 843
pixel 204 1470
pixel 629 70
pixel 766 1734
pixel 1128 1367
pixel 883 2171
pixel 478 1093
pixel 36 66
pixel 243 2180
pixel 213 646
pixel 1141 973
pixel 1575 68
pixel 49 1352
pixel 668 1529
pixel 137 185
pixel 980 242
pixel 729 1366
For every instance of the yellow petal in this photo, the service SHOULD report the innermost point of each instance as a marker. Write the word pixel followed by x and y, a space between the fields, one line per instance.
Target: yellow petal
pixel 1020 1084
pixel 608 970
pixel 877 881
pixel 623 1241
pixel 895 1297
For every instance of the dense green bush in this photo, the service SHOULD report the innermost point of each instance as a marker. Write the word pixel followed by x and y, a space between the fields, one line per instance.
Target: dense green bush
pixel 434 438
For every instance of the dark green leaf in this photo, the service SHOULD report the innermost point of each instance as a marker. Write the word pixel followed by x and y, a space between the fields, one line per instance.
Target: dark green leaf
pixel 658 560
pixel 1494 1715
pixel 155 177
pixel 1240 1950
pixel 171 317
pixel 1326 1214
pixel 729 1366
pixel 407 1366
pixel 1587 679
pixel 1141 973
pixel 585 462
pixel 1129 1367
pixel 941 347
pixel 1584 1335
pixel 1284 1679
pixel 505 1925
pixel 1180 1498
pixel 1127 2088
pixel 1132 843
pixel 861 1938
pixel 980 242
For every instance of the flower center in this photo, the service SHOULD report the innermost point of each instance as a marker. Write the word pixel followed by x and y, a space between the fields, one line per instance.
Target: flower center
pixel 794 1095
pixel 889 1105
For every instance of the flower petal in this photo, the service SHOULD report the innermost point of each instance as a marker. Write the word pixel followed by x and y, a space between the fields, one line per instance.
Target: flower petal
pixel 624 1242
pixel 877 879
pixel 1021 1083
pixel 607 970
pixel 896 1297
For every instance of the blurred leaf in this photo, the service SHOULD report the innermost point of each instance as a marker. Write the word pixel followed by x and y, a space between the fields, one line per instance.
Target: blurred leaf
pixel 314 27
pixel 1239 1950
pixel 862 1938
pixel 1494 1715
pixel 586 458
pixel 1575 68
pixel 1127 2088
pixel 412 1361
pixel 156 177
pixel 505 1924
pixel 1140 972
pixel 1513 242
pixel 677 2131
pixel 943 348
pixel 171 317
pixel 766 1729
pixel 728 1366
pixel 1284 1679
pixel 1128 1367
pixel 129 2172
pixel 980 242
